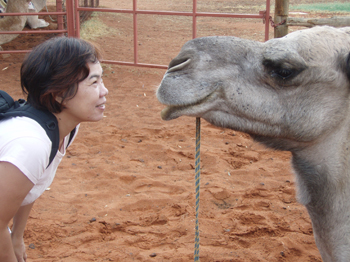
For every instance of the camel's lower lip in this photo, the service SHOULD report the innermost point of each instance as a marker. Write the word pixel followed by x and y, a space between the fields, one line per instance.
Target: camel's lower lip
pixel 195 109
pixel 169 113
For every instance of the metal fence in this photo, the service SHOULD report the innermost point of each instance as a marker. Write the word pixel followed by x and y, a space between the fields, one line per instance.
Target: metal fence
pixel 263 15
pixel 77 8
pixel 68 14
pixel 84 15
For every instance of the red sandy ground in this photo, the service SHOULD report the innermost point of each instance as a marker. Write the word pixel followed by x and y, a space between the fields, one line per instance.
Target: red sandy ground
pixel 125 190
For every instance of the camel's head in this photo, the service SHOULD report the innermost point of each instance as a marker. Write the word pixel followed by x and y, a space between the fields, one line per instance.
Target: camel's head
pixel 293 88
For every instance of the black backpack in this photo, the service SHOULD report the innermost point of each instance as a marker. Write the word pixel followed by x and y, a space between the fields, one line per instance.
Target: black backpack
pixel 10 108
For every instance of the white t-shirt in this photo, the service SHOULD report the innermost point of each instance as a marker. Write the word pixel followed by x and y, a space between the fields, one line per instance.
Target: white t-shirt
pixel 24 143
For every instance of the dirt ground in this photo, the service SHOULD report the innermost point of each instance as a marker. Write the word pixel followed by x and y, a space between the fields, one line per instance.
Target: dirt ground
pixel 125 190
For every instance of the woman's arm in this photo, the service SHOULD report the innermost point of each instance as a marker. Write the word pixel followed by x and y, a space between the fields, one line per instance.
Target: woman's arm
pixel 14 186
pixel 19 224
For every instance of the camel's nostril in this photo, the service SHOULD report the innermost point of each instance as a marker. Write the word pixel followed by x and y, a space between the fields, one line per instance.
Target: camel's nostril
pixel 178 66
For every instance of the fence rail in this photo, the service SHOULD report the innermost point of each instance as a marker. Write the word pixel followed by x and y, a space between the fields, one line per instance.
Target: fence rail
pixel 59 12
pixel 311 22
pixel 263 15
pixel 73 10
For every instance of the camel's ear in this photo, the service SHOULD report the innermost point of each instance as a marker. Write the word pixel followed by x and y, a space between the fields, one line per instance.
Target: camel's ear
pixel 347 66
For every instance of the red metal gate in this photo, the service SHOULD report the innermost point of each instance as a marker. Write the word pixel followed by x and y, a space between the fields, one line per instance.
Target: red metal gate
pixel 73 24
pixel 264 16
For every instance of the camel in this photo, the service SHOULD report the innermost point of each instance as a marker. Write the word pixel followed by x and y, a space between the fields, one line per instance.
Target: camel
pixel 17 23
pixel 290 93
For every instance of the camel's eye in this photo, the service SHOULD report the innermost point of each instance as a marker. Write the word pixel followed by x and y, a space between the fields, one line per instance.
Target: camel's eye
pixel 278 71
pixel 282 73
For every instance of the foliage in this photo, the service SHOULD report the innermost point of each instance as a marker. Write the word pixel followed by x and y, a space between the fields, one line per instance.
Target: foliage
pixel 325 7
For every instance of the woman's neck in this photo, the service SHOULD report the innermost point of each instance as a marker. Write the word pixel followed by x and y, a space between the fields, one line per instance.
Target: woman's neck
pixel 65 125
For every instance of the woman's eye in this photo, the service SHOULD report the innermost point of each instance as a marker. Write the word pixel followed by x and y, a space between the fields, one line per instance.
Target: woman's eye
pixel 282 73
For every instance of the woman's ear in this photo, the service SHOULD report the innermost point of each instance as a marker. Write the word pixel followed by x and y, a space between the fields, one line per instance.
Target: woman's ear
pixel 59 99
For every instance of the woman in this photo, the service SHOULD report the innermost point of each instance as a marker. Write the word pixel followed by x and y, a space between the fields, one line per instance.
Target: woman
pixel 64 76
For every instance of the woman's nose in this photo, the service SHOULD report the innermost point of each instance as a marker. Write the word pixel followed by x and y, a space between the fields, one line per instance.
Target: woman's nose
pixel 104 90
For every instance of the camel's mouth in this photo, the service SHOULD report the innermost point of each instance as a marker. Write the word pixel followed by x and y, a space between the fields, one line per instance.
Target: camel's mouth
pixel 195 109
pixel 170 112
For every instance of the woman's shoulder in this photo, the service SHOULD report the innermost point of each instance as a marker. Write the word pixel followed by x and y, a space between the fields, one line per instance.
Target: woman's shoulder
pixel 24 143
pixel 23 132
pixel 21 127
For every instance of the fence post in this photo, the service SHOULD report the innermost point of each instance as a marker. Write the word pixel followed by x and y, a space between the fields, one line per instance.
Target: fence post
pixel 70 18
pixel 281 14
pixel 60 23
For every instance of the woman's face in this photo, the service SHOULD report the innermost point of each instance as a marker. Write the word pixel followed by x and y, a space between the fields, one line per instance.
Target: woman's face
pixel 88 104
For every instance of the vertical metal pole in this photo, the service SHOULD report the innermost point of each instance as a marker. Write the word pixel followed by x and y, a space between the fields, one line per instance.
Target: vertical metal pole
pixel 194 19
pixel 60 24
pixel 135 30
pixel 77 19
pixel 70 18
pixel 267 22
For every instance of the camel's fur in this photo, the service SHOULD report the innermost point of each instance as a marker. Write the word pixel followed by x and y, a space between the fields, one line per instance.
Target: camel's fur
pixel 17 23
pixel 290 94
pixel 13 23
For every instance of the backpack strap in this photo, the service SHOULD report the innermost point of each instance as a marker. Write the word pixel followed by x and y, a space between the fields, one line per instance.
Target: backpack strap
pixel 71 135
pixel 6 101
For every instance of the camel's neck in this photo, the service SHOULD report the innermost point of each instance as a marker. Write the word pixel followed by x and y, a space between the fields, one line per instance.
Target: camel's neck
pixel 324 188
pixel 324 169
